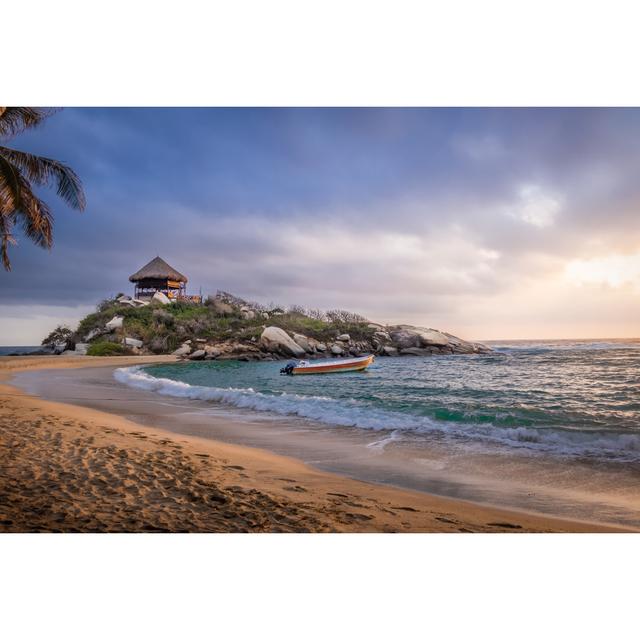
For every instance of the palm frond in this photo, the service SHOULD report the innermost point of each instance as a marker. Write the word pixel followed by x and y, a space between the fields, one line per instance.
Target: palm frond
pixel 35 215
pixel 9 186
pixel 14 120
pixel 44 171
pixel 6 240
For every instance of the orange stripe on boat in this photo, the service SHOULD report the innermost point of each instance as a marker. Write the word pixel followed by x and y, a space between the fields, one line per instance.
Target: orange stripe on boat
pixel 329 367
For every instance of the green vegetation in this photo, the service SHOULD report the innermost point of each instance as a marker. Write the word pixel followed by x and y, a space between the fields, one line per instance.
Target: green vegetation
pixel 60 335
pixel 107 349
pixel 163 328
pixel 324 330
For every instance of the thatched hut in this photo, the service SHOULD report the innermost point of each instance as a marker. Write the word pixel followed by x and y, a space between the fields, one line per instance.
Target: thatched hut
pixel 157 275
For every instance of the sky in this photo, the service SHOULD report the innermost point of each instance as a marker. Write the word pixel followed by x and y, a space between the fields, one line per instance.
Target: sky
pixel 487 223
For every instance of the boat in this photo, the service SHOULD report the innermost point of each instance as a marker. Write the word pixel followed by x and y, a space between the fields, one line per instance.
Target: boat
pixel 342 365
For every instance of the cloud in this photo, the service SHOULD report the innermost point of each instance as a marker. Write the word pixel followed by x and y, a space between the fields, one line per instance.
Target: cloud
pixel 535 206
pixel 27 325
pixel 615 271
pixel 425 215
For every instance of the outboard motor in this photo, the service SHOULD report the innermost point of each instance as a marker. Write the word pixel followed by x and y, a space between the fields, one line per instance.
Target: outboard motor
pixel 287 370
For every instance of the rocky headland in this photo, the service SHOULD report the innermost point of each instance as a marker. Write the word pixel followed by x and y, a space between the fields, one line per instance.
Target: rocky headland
pixel 229 328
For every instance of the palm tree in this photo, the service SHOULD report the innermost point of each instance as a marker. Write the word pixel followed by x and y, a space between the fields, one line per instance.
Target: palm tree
pixel 19 171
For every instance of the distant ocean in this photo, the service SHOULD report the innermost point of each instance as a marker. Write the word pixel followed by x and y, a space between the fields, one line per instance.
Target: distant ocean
pixel 5 351
pixel 560 398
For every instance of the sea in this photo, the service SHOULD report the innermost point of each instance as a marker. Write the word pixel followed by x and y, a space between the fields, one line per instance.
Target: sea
pixel 560 398
pixel 548 426
pixel 7 351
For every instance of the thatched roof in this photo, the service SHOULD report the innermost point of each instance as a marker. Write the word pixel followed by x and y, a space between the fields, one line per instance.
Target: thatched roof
pixel 157 269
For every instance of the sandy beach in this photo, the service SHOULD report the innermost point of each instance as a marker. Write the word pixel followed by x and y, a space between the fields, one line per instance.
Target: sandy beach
pixel 70 468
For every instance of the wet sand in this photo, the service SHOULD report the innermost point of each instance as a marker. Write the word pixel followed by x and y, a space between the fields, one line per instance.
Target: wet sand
pixel 72 468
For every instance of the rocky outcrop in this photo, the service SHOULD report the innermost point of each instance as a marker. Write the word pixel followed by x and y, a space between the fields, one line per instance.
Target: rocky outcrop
pixel 115 323
pixel 94 333
pixel 132 302
pixel 276 343
pixel 228 328
pixel 183 350
pixel 276 340
pixel 303 342
pixel 158 296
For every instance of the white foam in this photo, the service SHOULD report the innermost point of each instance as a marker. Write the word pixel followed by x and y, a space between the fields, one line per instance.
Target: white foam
pixel 611 445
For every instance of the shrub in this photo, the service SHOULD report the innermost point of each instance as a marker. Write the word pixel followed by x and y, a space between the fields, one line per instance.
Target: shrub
pixel 59 335
pixel 346 317
pixel 107 349
pixel 163 317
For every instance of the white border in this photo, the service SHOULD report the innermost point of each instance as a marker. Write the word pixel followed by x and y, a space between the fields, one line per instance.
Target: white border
pixel 286 52
pixel 335 52
pixel 319 586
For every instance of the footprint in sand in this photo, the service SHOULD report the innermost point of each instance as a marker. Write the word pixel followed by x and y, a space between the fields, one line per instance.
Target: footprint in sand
pixel 446 520
pixel 506 525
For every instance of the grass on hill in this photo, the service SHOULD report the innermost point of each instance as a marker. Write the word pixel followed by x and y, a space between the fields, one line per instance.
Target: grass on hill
pixel 107 349
pixel 164 328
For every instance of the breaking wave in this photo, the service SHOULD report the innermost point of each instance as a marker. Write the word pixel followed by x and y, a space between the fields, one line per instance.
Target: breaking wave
pixel 612 445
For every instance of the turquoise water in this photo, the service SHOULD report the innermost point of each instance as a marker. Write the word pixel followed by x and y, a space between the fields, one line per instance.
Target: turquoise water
pixel 564 398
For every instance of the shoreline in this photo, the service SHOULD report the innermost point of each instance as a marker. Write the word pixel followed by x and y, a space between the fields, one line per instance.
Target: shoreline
pixel 65 467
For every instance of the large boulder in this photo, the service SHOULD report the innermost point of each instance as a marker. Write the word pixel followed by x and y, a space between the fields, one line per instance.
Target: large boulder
pixel 133 342
pixel 183 350
pixel 321 346
pixel 404 338
pixel 81 348
pixel 198 355
pixel 431 337
pixel 115 323
pixel 276 340
pixel 389 351
pixel 345 337
pixel 336 350
pixel 303 342
pixel 94 333
pixel 158 296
